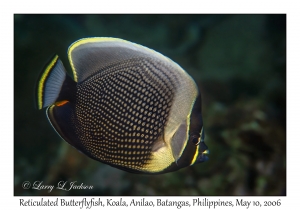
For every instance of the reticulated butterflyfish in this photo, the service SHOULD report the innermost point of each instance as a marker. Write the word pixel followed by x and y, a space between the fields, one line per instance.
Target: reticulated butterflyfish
pixel 127 106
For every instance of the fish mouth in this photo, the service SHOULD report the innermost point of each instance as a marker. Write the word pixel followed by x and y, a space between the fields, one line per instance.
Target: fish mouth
pixel 205 152
pixel 204 155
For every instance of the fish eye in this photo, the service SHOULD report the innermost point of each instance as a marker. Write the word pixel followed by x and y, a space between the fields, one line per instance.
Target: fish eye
pixel 195 139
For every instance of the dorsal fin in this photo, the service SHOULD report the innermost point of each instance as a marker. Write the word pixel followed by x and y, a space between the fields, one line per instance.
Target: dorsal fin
pixel 89 55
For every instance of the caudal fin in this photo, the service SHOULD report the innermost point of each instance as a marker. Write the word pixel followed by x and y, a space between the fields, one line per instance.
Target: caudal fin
pixel 50 83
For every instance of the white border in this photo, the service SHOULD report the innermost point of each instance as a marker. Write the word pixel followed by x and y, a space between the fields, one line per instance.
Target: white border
pixel 155 6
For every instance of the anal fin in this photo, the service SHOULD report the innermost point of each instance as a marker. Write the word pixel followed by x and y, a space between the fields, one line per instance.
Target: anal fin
pixel 61 117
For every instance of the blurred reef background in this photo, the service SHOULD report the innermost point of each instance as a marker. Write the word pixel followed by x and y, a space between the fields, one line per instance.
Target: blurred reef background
pixel 239 64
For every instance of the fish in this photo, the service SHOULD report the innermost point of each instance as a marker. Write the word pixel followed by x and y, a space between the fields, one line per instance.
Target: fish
pixel 127 106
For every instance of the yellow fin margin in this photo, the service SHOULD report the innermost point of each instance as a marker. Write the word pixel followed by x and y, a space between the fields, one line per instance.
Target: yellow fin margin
pixel 42 81
pixel 106 39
